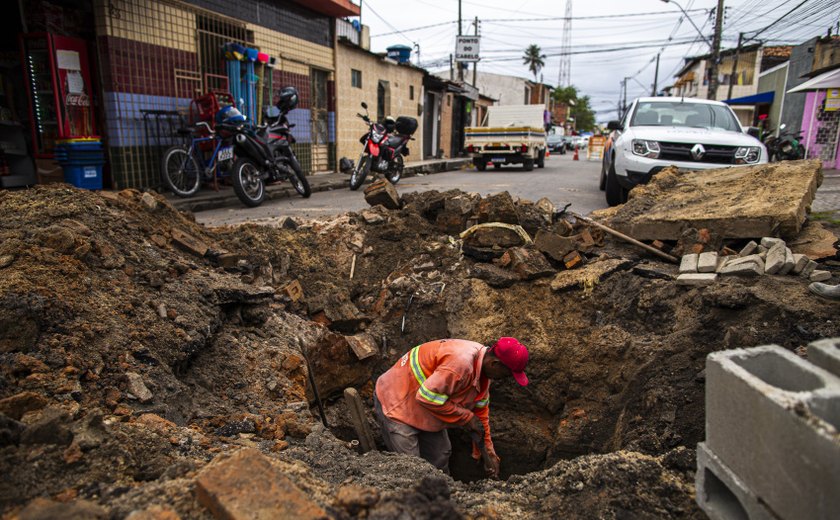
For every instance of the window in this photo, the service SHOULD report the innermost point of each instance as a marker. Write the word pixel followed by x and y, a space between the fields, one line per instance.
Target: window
pixel 411 92
pixel 356 78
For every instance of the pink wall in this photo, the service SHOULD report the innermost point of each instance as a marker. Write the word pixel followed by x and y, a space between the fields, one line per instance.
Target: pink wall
pixel 809 138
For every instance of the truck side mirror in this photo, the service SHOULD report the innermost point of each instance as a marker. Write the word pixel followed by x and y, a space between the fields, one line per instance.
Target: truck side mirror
pixel 754 131
pixel 614 125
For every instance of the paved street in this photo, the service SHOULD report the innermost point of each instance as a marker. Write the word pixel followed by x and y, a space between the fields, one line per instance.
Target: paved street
pixel 562 180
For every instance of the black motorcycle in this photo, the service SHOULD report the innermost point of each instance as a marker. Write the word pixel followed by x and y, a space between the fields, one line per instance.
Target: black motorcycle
pixel 385 145
pixel 785 147
pixel 264 154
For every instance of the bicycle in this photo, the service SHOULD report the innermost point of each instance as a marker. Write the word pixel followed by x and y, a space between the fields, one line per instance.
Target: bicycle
pixel 183 168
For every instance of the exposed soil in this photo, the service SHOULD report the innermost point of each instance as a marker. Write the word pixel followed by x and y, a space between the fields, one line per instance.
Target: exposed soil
pixel 127 363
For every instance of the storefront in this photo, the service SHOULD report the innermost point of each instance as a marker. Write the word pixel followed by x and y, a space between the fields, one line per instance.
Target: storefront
pixel 821 118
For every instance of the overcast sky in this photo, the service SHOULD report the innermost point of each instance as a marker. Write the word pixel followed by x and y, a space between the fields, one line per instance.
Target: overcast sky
pixel 507 27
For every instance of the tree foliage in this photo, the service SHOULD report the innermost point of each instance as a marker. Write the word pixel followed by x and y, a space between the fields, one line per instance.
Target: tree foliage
pixel 579 107
pixel 534 58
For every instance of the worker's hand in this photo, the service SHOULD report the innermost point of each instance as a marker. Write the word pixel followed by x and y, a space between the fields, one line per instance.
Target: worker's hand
pixel 475 425
pixel 492 464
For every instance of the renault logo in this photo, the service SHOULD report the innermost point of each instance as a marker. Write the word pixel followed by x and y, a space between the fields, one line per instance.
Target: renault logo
pixel 698 152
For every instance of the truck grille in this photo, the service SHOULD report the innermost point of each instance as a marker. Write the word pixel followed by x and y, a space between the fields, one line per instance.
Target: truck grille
pixel 715 154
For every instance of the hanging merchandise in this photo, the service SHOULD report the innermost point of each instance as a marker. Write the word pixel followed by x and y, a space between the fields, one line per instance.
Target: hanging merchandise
pixel 249 85
pixel 262 60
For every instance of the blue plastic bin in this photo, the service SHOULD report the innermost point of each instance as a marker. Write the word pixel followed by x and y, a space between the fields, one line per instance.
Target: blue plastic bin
pixel 88 176
pixel 82 163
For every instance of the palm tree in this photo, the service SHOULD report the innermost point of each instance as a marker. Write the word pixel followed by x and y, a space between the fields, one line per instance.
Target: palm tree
pixel 534 59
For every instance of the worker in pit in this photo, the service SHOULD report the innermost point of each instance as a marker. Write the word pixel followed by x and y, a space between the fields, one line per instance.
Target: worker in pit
pixel 445 384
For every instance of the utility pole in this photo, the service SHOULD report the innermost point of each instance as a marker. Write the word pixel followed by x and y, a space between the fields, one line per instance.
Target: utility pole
pixel 460 68
pixel 713 68
pixel 735 65
pixel 475 63
pixel 655 76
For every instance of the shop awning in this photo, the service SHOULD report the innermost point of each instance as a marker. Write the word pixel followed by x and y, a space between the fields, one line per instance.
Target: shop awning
pixel 756 99
pixel 830 79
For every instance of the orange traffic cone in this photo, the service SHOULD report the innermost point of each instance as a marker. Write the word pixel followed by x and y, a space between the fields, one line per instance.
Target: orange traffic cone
pixel 547 153
pixel 576 158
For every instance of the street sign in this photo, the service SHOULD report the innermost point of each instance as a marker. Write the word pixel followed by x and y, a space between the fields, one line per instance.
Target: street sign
pixel 466 48
pixel 596 147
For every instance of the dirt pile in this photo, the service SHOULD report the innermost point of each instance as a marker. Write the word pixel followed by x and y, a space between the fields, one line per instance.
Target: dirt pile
pixel 136 347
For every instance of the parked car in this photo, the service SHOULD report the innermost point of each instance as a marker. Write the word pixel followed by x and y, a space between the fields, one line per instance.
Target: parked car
pixel 556 143
pixel 660 131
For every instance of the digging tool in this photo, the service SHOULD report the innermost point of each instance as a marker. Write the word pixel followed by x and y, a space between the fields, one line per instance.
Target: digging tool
pixel 485 457
pixel 626 238
pixel 405 314
pixel 312 382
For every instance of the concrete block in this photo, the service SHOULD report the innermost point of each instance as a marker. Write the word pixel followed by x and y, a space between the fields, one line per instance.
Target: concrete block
pixel 707 262
pixel 775 259
pixel 825 353
pixel 697 279
pixel 744 269
pixel 773 418
pixel 762 249
pixel 769 242
pixel 800 261
pixel 721 494
pixel 820 276
pixel 748 249
pixel 808 269
pixel 688 264
pixel 789 262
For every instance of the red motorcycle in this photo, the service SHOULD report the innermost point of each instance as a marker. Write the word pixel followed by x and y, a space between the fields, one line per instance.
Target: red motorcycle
pixel 385 145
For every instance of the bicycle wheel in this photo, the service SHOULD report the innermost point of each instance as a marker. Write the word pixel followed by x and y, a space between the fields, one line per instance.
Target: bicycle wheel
pixel 180 172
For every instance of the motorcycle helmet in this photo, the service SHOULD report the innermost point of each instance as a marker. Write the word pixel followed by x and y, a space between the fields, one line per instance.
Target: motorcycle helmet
pixel 229 115
pixel 287 99
pixel 390 124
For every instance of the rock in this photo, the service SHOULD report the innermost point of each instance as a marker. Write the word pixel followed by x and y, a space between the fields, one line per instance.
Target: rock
pixel 6 261
pixel 814 241
pixel 808 269
pixel 46 509
pixel 337 312
pixel 554 245
pixel 493 275
pixel 820 276
pixel 789 262
pixel 48 426
pixel 769 242
pixel 228 260
pixel 246 485
pixel 547 207
pixel 688 264
pixel 234 428
pixel 372 217
pixel 137 388
pixel 149 201
pixel 697 279
pixel 335 367
pixel 161 310
pixel 383 193
pixel 89 432
pixel 354 499
pixel 363 345
pixel 10 430
pixel 528 264
pixel 588 275
pixel 17 405
pixel 776 256
pixel 748 249
pixel 707 262
pixel 498 208
pixel 189 243
pixel 800 261
pixel 287 223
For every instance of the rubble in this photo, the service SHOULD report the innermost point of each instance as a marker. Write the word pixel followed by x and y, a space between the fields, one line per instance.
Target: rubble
pixel 382 193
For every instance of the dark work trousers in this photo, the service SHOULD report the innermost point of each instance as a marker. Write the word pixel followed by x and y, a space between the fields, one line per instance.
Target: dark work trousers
pixel 402 438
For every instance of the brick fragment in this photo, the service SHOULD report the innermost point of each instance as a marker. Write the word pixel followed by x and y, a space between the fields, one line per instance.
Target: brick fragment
pixel 572 260
pixel 697 279
pixel 769 242
pixel 743 269
pixel 800 261
pixel 808 269
pixel 189 243
pixel 688 264
pixel 707 262
pixel 748 249
pixel 789 262
pixel 775 258
pixel 820 276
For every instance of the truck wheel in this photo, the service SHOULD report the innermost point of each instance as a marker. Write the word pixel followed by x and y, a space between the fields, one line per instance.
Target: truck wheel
pixel 616 194
pixel 528 165
pixel 480 164
pixel 541 159
pixel 497 166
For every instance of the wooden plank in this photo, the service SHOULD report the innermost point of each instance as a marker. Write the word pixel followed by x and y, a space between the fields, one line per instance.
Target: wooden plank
pixel 357 416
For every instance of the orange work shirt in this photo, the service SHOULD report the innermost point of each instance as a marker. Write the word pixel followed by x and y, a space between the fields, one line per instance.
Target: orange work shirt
pixel 438 385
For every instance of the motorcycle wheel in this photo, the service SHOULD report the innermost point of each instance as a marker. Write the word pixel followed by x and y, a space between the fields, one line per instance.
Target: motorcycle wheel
pixel 394 175
pixel 299 180
pixel 360 172
pixel 247 184
pixel 180 172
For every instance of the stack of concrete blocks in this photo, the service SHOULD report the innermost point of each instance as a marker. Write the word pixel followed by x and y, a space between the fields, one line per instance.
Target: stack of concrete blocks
pixel 772 256
pixel 772 446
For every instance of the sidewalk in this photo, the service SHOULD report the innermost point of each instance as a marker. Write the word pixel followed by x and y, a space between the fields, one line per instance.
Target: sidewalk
pixel 207 199
pixel 828 195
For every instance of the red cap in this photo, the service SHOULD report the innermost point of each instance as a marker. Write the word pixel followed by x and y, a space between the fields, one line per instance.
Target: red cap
pixel 514 355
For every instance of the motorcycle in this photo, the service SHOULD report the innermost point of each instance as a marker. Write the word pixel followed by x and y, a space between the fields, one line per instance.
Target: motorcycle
pixel 785 147
pixel 384 148
pixel 265 156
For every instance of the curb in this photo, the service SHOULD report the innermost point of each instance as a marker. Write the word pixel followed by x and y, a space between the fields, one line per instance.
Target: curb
pixel 283 191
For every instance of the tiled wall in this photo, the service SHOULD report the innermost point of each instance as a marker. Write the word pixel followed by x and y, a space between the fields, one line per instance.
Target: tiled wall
pixel 349 98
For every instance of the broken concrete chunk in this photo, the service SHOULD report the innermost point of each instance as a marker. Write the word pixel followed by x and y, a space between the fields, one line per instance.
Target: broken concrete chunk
pixel 789 262
pixel 247 485
pixel 800 261
pixel 287 223
pixel 372 217
pixel 528 264
pixel 743 269
pixel 554 245
pixel 688 264
pixel 696 279
pixel 820 276
pixel 494 275
pixel 808 269
pixel 137 388
pixel 775 258
pixel 498 208
pixel 149 201
pixel 769 242
pixel 588 275
pixel 762 249
pixel 363 345
pixel 189 243
pixel 748 249
pixel 382 193
pixel 707 262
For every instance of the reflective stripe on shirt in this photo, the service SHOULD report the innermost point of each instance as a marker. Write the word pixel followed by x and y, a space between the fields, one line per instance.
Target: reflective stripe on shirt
pixel 484 402
pixel 433 397
pixel 417 370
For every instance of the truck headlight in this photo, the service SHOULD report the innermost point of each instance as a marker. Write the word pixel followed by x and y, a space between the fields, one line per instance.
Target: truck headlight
pixel 747 155
pixel 649 149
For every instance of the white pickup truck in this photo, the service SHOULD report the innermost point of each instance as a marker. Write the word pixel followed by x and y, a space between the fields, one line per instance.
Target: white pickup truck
pixel 514 135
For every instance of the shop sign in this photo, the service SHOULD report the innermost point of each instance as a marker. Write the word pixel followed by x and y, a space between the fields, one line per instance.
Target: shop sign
pixel 466 48
pixel 832 100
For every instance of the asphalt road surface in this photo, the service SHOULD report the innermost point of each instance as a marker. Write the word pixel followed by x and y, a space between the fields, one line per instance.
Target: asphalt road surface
pixel 562 181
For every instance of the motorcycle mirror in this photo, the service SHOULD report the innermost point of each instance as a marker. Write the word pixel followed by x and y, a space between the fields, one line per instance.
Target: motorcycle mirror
pixel 364 105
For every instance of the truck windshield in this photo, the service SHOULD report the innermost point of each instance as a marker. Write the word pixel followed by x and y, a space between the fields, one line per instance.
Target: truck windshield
pixel 684 114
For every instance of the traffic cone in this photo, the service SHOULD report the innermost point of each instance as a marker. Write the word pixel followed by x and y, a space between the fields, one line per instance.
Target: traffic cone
pixel 547 153
pixel 576 158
